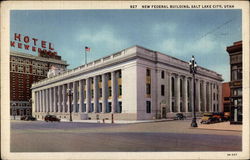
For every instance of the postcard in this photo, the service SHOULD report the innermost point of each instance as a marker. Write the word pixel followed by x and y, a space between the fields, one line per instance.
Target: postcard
pixel 125 80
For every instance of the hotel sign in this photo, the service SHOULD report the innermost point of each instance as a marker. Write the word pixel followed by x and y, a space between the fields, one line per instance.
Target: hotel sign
pixel 32 44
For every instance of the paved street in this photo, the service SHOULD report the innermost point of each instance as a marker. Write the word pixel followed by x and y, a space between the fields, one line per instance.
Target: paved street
pixel 40 136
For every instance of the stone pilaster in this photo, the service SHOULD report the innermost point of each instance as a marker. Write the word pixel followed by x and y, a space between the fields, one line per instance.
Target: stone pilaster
pixel 104 93
pixel 198 101
pixel 74 100
pixel 50 100
pixel 64 95
pixel 185 94
pixel 87 95
pixel 95 85
pixel 114 91
pixel 177 93
pixel 170 92
pixel 80 95
pixel 205 96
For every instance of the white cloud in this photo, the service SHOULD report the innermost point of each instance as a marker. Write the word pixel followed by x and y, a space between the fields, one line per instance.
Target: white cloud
pixel 186 46
pixel 164 27
pixel 104 37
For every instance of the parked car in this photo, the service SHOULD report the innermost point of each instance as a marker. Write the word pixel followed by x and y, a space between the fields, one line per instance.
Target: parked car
pixel 219 116
pixel 179 116
pixel 227 116
pixel 208 117
pixel 23 118
pixel 51 118
pixel 30 118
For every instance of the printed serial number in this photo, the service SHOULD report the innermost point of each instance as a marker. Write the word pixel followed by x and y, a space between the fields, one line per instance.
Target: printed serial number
pixel 232 154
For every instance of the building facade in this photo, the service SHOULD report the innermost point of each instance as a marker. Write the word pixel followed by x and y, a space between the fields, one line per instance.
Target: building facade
pixel 235 53
pixel 26 69
pixel 133 84
pixel 226 97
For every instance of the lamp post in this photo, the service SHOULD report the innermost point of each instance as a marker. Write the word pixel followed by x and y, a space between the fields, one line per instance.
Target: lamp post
pixel 30 103
pixel 70 94
pixel 14 110
pixel 193 69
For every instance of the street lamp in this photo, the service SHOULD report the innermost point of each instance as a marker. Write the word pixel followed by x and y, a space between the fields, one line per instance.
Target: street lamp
pixel 70 94
pixel 193 69
pixel 30 103
pixel 14 110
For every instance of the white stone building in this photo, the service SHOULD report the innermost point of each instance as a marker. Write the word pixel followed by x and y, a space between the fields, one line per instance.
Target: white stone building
pixel 133 84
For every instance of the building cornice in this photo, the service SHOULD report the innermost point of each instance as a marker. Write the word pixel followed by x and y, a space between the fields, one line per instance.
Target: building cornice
pixel 134 52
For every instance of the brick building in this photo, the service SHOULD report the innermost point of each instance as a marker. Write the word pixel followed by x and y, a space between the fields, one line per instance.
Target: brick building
pixel 226 97
pixel 235 53
pixel 26 69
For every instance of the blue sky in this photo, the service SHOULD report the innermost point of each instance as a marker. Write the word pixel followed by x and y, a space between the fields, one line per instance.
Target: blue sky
pixel 179 33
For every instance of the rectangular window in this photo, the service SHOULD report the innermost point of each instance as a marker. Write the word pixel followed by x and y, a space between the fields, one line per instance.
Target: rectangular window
pixel 84 107
pixel 120 107
pixel 148 89
pixel 148 72
pixel 100 92
pixel 99 109
pixel 92 93
pixel 108 109
pixel 162 74
pixel 120 90
pixel 162 90
pixel 110 92
pixel 240 92
pixel 109 76
pixel 148 105
pixel 91 109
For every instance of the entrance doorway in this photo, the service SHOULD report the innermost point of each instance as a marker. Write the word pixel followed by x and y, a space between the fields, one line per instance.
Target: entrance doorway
pixel 164 112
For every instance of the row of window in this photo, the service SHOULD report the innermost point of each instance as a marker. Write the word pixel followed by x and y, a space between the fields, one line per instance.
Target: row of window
pixel 236 72
pixel 27 69
pixel 148 85
pixel 27 61
pixel 99 108
pixel 92 90
pixel 20 112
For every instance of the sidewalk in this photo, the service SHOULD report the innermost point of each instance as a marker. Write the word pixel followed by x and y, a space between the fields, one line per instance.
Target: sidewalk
pixel 221 126
pixel 118 121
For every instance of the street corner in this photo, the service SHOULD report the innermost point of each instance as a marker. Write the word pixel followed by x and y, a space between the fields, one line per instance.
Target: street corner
pixel 224 126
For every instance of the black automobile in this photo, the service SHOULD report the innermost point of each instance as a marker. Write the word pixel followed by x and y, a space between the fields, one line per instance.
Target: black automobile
pixel 30 118
pixel 51 118
pixel 179 116
pixel 23 118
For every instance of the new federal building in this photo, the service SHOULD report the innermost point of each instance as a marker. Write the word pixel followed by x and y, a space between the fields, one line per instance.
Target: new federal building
pixel 133 84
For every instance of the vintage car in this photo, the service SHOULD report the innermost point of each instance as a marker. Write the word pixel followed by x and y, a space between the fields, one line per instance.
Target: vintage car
pixel 209 117
pixel 219 116
pixel 226 116
pixel 23 118
pixel 28 118
pixel 179 116
pixel 51 118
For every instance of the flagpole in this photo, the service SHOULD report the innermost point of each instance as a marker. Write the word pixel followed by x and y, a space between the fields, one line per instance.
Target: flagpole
pixel 85 57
